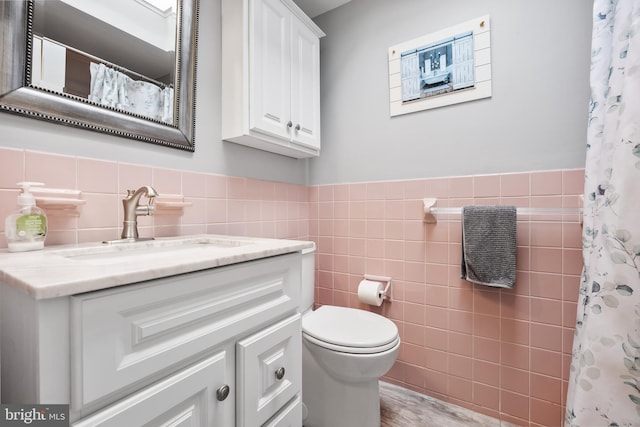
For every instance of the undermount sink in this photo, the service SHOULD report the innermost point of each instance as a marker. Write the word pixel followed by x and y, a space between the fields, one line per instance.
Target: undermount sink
pixel 132 251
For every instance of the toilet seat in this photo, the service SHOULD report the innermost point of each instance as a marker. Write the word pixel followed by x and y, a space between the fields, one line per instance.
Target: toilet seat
pixel 350 330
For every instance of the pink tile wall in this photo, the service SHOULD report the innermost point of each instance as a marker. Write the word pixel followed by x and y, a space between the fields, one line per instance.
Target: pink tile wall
pixel 220 204
pixel 500 352
pixel 504 353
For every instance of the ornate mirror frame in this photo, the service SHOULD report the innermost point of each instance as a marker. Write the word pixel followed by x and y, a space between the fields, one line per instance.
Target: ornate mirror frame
pixel 18 96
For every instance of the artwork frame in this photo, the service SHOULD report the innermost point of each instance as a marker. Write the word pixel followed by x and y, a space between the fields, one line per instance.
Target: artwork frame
pixel 446 67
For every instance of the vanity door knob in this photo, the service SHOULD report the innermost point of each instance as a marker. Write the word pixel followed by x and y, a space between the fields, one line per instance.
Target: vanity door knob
pixel 289 124
pixel 280 373
pixel 298 127
pixel 222 393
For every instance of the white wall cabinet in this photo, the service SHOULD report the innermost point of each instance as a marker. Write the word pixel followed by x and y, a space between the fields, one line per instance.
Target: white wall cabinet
pixel 271 77
pixel 218 347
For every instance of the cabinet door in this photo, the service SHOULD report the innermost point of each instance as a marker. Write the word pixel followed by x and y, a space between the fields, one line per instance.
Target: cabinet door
pixel 187 398
pixel 270 68
pixel 305 86
pixel 269 372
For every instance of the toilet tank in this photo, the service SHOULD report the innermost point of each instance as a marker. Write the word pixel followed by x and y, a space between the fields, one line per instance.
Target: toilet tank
pixel 307 282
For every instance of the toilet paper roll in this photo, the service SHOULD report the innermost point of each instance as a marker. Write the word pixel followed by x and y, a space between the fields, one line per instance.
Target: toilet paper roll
pixel 371 292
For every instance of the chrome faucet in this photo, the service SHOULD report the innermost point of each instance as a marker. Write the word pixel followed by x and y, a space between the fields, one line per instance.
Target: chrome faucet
pixel 132 209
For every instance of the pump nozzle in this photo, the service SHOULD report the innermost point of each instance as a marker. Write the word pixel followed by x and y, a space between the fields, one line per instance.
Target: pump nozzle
pixel 26 198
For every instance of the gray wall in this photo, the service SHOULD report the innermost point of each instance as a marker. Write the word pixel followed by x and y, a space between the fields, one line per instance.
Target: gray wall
pixel 535 120
pixel 211 155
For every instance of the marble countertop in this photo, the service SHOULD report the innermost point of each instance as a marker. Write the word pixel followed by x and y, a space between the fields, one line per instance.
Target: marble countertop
pixel 58 271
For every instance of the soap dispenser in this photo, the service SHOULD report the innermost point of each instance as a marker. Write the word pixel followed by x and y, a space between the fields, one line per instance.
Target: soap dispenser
pixel 26 229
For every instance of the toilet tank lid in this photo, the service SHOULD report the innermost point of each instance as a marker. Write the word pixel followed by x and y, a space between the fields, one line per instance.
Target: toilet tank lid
pixel 349 327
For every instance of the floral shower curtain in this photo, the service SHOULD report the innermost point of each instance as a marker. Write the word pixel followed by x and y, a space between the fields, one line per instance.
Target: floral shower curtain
pixel 604 386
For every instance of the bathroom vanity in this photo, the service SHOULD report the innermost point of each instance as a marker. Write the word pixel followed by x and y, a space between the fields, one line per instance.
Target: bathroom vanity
pixel 201 331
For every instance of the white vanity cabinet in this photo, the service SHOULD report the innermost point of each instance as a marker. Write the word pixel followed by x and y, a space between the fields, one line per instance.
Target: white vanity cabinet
pixel 271 363
pixel 270 77
pixel 217 347
pixel 190 397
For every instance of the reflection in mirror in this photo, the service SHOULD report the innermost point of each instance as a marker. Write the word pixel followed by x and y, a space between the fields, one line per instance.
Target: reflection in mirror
pixel 125 58
pixel 125 67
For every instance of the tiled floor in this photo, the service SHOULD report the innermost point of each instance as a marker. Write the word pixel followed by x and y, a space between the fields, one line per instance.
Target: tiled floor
pixel 404 408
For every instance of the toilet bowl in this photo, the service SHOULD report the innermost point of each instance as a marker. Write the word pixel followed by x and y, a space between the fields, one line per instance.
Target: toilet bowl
pixel 345 351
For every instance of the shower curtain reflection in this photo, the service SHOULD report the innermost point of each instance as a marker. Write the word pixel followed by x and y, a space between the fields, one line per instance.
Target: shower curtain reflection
pixel 115 89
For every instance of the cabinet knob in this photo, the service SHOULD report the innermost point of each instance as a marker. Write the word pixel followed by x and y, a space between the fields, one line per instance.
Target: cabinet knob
pixel 222 392
pixel 298 127
pixel 289 124
pixel 280 373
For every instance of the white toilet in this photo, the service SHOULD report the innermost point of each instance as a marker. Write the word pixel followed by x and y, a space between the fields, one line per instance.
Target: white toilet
pixel 344 353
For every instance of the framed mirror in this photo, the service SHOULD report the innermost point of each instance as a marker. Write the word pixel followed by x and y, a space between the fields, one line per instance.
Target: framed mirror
pixel 150 98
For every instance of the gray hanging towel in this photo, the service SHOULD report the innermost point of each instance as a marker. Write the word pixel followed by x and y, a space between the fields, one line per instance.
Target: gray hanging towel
pixel 489 245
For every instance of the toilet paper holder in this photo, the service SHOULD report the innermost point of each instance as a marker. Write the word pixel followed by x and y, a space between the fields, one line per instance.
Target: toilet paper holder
pixel 383 279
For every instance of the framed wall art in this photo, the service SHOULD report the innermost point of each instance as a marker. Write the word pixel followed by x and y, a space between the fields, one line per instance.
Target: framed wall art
pixel 442 68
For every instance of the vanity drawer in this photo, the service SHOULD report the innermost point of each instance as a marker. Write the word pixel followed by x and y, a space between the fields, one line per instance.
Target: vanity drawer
pixel 268 371
pixel 291 416
pixel 125 338
pixel 186 398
